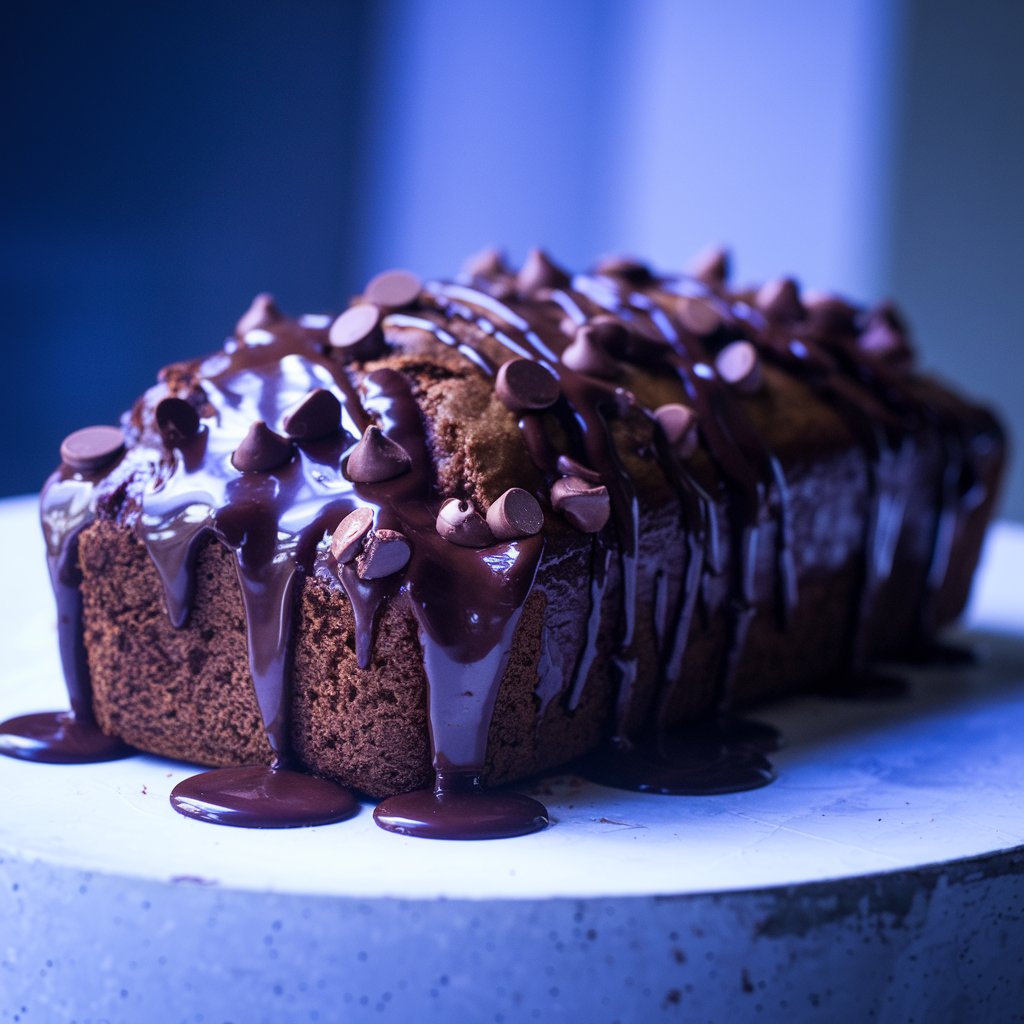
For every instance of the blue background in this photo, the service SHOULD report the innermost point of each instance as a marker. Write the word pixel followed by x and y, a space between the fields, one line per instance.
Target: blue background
pixel 163 162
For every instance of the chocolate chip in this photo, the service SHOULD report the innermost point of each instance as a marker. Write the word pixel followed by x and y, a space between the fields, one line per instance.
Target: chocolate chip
pixel 261 450
pixel 523 384
pixel 376 457
pixel 679 424
pixel 609 334
pixel 712 266
pixel 626 341
pixel 460 523
pixel 830 313
pixel 91 448
pixel 486 263
pixel 880 339
pixel 262 313
pixel 739 364
pixel 503 290
pixel 586 355
pixel 517 513
pixel 885 315
pixel 779 300
pixel 539 272
pixel 885 336
pixel 570 467
pixel 888 314
pixel 177 420
pixel 394 289
pixel 347 539
pixel 315 416
pixel 385 553
pixel 697 315
pixel 357 333
pixel 626 267
pixel 585 506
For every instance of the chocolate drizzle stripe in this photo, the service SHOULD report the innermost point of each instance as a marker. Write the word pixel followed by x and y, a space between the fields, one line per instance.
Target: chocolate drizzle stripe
pixel 728 437
pixel 537 442
pixel 587 401
pixel 468 602
pixel 472 297
pixel 480 361
pixel 367 598
pixel 73 736
pixel 884 516
pixel 702 559
pixel 909 411
pixel 600 557
pixel 65 577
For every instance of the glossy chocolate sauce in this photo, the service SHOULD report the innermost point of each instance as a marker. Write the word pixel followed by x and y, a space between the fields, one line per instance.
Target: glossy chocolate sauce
pixel 59 737
pixel 274 500
pixel 259 797
pixel 467 602
pixel 72 736
pixel 272 522
pixel 459 808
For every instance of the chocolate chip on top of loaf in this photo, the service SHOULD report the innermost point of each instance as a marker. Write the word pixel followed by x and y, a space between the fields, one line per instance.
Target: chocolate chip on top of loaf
pixel 470 530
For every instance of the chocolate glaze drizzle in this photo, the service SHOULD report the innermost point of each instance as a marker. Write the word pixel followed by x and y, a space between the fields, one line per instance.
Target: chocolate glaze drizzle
pixel 73 736
pixel 276 512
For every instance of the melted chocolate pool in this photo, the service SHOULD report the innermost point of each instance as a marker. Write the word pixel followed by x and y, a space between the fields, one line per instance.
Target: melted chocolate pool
pixel 59 737
pixel 726 755
pixel 262 797
pixel 459 808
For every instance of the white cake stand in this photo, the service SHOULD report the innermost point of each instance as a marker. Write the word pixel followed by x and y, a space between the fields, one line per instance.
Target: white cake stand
pixel 880 878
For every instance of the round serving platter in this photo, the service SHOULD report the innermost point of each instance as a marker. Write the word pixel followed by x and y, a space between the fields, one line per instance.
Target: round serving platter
pixel 880 877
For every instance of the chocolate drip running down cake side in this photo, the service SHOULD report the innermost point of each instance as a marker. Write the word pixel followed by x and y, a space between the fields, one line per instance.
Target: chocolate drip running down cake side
pixel 467 532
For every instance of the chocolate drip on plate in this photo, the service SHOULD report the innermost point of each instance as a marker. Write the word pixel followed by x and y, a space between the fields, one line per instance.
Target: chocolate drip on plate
pixel 459 808
pixel 59 737
pixel 724 755
pixel 262 797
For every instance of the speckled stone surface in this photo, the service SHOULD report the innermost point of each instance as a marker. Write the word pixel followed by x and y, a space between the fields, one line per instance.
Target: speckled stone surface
pixel 880 878
pixel 941 944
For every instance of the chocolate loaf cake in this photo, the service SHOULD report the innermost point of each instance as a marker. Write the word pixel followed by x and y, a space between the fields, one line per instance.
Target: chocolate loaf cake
pixel 466 532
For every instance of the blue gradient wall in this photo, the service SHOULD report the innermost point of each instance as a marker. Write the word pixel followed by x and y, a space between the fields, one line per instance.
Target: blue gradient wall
pixel 164 162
